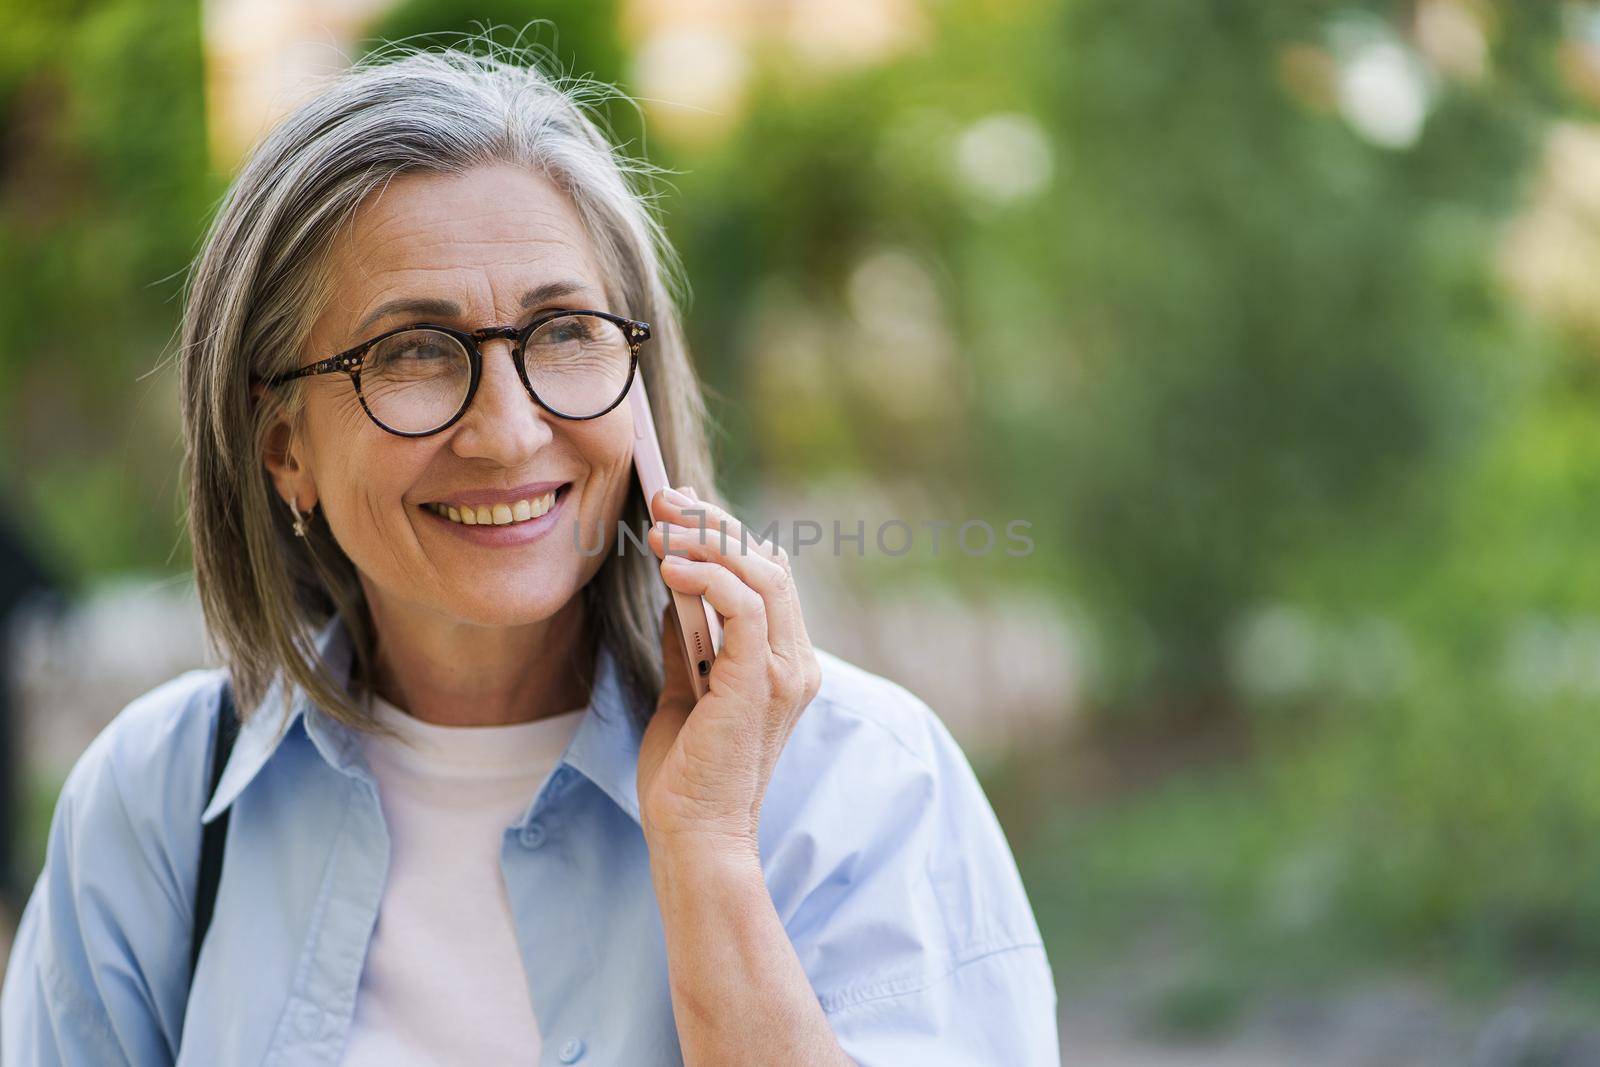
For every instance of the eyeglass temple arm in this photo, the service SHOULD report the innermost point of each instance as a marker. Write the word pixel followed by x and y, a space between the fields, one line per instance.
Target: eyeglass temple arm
pixel 344 361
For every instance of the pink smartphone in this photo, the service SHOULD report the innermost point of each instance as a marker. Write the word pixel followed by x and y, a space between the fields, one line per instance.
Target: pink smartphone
pixel 697 620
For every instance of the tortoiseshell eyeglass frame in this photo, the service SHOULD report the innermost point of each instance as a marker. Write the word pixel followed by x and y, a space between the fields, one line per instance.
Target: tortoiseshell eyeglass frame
pixel 350 360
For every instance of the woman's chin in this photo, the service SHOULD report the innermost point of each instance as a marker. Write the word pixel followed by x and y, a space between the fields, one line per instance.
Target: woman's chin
pixel 509 604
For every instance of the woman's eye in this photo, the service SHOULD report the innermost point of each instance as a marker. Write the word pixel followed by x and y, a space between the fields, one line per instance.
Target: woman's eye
pixel 424 352
pixel 416 350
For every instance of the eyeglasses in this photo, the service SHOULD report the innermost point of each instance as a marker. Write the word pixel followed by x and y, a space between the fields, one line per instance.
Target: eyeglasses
pixel 418 380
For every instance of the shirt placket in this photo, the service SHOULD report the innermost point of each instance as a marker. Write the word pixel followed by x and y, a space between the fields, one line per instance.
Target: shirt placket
pixel 316 1019
pixel 555 941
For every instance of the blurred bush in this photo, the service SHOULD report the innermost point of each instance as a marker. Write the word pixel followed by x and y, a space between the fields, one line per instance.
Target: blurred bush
pixel 104 189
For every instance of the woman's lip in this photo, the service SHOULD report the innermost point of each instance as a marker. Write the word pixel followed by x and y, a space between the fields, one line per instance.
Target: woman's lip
pixel 511 496
pixel 512 533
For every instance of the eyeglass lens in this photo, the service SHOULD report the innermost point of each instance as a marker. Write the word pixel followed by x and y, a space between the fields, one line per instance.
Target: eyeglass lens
pixel 417 380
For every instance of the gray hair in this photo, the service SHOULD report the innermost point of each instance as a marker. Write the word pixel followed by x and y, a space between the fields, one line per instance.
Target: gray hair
pixel 262 278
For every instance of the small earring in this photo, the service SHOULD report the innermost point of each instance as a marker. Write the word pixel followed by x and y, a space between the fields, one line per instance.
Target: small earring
pixel 299 520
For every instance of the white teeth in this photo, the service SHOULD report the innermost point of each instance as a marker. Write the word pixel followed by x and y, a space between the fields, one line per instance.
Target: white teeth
pixel 498 514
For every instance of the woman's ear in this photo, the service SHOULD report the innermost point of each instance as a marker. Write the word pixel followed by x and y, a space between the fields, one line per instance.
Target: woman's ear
pixel 281 454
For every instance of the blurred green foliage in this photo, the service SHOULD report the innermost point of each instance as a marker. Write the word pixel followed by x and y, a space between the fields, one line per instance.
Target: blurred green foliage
pixel 104 187
pixel 1238 362
pixel 573 38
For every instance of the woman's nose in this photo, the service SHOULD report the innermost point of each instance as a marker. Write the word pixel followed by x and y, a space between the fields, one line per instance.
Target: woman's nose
pixel 503 422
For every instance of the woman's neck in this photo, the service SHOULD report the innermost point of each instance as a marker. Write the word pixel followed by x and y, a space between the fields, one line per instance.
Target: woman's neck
pixel 458 674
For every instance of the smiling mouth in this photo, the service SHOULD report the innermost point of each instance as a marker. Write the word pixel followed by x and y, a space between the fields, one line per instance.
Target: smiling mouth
pixel 505 514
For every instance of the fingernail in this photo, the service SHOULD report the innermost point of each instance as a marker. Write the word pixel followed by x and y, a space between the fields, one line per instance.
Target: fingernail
pixel 694 496
pixel 675 497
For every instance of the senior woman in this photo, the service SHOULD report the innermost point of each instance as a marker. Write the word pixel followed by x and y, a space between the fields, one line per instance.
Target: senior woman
pixel 476 815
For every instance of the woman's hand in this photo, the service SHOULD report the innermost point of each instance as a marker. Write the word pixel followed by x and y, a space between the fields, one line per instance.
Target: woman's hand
pixel 739 991
pixel 702 776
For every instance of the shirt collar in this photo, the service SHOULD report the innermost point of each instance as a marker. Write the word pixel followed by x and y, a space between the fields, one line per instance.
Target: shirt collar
pixel 605 748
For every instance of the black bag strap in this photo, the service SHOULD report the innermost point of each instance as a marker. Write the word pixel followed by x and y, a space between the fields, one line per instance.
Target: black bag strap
pixel 216 832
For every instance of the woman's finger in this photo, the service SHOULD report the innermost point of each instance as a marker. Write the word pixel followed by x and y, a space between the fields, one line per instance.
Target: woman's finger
pixel 760 572
pixel 785 628
pixel 720 527
pixel 717 525
pixel 744 612
pixel 786 622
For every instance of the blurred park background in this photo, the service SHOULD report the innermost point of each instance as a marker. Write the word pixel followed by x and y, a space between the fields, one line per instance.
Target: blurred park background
pixel 1279 323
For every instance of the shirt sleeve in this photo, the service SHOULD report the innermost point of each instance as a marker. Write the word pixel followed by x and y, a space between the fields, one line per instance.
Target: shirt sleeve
pixel 900 893
pixel 996 1007
pixel 99 966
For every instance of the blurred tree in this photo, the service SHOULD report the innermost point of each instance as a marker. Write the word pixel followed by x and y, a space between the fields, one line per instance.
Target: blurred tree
pixel 1276 299
pixel 832 246
pixel 1214 310
pixel 103 193
pixel 582 40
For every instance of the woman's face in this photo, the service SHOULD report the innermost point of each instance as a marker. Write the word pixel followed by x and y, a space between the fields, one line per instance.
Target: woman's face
pixel 480 242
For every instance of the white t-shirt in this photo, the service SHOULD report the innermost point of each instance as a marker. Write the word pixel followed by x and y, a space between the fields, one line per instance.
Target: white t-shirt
pixel 443 981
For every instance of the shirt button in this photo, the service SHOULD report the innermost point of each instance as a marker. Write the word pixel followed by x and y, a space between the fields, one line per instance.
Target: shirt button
pixel 533 837
pixel 571 1051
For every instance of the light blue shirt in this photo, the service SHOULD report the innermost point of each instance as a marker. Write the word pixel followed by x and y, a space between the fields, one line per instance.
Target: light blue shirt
pixel 883 857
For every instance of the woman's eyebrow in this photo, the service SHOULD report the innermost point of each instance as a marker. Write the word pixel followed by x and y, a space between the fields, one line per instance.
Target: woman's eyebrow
pixel 416 305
